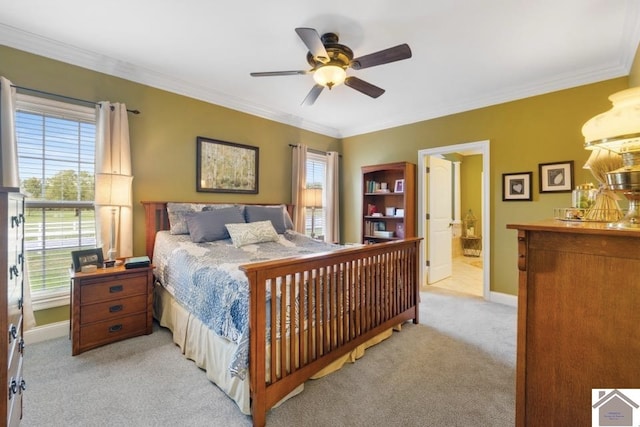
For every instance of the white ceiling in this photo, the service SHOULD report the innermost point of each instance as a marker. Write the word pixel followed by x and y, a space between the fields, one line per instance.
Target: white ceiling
pixel 466 53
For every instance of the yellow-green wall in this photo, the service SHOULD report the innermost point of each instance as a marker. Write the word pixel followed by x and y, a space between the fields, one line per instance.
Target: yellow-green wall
pixel 163 137
pixel 523 134
pixel 471 188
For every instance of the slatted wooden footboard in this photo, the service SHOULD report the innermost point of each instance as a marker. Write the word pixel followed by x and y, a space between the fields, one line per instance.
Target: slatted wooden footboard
pixel 341 299
pixel 306 312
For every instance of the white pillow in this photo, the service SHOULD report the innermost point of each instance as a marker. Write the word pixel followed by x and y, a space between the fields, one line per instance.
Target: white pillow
pixel 250 233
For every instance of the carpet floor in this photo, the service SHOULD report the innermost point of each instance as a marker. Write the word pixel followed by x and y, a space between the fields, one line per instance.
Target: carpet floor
pixel 455 368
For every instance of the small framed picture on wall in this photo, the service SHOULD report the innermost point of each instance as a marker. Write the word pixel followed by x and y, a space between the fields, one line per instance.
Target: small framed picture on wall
pixel 556 177
pixel 516 186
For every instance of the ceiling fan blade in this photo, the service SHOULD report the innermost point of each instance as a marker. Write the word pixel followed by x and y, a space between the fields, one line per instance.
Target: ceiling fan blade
pixel 392 54
pixel 313 94
pixel 312 40
pixel 279 73
pixel 364 87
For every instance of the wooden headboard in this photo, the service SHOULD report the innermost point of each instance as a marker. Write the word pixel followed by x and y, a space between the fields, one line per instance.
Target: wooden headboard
pixel 156 219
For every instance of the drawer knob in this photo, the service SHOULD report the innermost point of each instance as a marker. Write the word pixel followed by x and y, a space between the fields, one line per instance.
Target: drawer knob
pixel 115 308
pixel 115 328
pixel 13 387
pixel 115 288
pixel 13 272
pixel 13 333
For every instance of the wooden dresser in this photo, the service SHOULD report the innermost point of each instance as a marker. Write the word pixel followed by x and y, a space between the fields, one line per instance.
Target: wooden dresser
pixel 578 319
pixel 109 305
pixel 12 266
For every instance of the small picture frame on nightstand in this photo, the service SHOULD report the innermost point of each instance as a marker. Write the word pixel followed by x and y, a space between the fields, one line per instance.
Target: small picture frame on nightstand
pixel 87 257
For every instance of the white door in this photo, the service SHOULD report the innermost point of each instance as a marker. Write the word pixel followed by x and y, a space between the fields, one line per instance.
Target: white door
pixel 439 228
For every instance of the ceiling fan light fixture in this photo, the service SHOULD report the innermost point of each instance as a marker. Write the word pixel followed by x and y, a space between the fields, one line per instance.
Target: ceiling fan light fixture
pixel 330 75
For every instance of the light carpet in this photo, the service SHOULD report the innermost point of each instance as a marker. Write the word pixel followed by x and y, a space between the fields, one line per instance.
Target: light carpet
pixel 455 368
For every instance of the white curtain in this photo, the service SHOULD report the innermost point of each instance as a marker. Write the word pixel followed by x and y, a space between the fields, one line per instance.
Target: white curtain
pixel 332 207
pixel 298 185
pixel 9 153
pixel 113 156
pixel 10 176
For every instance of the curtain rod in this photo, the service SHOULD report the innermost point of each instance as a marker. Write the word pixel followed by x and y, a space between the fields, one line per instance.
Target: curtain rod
pixel 65 97
pixel 313 150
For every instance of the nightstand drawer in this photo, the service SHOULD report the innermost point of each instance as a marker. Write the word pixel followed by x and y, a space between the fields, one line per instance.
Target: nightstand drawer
pixel 105 332
pixel 113 288
pixel 112 309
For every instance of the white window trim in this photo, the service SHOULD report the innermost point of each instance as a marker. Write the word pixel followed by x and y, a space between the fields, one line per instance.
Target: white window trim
pixel 37 105
pixel 33 104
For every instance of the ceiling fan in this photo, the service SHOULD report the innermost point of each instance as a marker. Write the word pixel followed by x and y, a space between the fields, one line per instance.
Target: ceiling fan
pixel 329 61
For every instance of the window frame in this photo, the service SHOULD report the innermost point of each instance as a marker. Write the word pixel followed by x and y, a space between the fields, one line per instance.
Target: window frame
pixel 312 183
pixel 58 296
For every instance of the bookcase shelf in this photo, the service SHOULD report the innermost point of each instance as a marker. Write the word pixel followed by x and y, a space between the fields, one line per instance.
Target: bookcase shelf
pixel 379 196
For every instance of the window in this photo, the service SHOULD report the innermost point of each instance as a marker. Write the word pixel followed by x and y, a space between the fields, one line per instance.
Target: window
pixel 56 160
pixel 316 178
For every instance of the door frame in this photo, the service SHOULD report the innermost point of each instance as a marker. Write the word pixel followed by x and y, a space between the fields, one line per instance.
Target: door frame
pixel 478 147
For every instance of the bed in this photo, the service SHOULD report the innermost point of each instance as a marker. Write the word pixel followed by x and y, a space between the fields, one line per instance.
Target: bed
pixel 298 308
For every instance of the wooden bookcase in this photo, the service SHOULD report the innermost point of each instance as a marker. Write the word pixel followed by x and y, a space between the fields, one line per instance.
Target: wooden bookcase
pixel 388 214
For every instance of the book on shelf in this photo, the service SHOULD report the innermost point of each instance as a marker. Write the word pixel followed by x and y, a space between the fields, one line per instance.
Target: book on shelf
pixel 376 187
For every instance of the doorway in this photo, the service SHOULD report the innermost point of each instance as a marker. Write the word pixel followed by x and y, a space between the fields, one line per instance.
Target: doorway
pixel 466 149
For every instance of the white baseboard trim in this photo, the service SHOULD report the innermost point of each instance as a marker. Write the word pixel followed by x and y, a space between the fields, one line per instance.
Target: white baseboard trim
pixel 47 332
pixel 505 299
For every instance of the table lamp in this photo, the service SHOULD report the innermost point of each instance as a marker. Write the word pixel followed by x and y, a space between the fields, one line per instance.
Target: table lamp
pixel 113 190
pixel 313 200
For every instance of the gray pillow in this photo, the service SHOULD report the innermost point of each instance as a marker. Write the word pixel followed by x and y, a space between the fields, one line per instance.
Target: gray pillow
pixel 275 214
pixel 178 216
pixel 208 226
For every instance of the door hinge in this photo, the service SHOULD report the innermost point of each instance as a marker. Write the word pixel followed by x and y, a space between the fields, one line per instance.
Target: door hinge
pixel 428 170
pixel 428 216
pixel 427 263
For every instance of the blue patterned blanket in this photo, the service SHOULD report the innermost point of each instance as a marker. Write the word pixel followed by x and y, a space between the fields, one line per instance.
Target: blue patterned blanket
pixel 204 278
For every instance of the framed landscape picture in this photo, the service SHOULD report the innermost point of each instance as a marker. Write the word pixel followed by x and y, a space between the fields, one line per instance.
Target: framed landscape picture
pixel 226 167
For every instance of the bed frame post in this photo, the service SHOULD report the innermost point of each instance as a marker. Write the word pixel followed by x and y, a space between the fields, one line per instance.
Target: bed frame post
pixel 349 297
pixel 257 344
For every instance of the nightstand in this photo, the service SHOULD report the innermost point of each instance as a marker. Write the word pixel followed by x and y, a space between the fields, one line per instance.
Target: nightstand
pixel 109 305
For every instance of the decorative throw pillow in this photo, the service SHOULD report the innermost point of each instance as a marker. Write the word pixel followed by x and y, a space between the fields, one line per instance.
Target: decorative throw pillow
pixel 212 207
pixel 208 226
pixel 254 232
pixel 275 214
pixel 177 218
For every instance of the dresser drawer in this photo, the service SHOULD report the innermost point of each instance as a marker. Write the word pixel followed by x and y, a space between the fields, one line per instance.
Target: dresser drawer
pixel 100 333
pixel 112 288
pixel 108 310
pixel 13 344
pixel 14 405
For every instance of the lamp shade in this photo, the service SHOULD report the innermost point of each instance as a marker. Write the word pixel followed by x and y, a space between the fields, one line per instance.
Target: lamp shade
pixel 113 189
pixel 329 75
pixel 617 129
pixel 313 197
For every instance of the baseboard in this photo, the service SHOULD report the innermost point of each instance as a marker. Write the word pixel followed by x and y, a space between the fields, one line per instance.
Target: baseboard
pixel 505 299
pixel 47 332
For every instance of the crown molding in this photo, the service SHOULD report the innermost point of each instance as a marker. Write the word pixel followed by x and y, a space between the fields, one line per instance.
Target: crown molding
pixel 52 49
